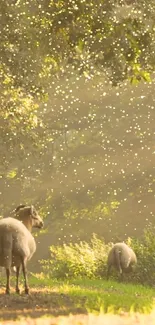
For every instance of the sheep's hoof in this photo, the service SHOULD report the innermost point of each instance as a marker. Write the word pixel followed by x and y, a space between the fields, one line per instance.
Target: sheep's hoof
pixel 27 291
pixel 18 291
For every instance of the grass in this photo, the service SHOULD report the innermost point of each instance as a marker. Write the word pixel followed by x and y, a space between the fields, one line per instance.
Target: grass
pixel 80 301
pixel 100 295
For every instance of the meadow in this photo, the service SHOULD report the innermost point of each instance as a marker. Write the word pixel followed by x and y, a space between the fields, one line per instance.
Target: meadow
pixel 77 301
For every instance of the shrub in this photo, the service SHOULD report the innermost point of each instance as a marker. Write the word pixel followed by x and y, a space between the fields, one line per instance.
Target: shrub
pixel 90 260
pixel 77 260
pixel 145 252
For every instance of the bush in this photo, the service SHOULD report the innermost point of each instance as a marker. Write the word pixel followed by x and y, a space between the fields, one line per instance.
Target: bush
pixel 90 260
pixel 77 260
pixel 145 252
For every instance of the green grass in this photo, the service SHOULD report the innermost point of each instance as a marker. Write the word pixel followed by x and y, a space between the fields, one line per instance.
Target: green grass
pixel 100 295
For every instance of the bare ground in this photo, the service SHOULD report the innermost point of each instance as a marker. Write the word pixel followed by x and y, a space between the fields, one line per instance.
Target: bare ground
pixel 40 302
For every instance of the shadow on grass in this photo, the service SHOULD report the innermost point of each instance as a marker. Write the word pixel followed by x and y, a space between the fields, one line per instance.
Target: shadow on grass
pixel 39 303
pixel 49 298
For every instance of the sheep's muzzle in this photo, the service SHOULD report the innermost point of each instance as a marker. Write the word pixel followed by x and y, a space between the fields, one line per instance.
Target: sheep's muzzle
pixel 40 224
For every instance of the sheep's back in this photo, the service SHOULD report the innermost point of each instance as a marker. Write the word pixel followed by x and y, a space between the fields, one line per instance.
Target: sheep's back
pixel 127 255
pixel 133 256
pixel 16 237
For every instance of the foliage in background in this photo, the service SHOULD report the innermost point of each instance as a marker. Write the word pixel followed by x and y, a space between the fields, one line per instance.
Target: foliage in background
pixel 89 260
pixel 68 142
pixel 145 251
pixel 43 39
pixel 77 260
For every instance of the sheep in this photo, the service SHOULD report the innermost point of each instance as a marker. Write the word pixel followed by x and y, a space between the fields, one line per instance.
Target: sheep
pixel 122 258
pixel 17 245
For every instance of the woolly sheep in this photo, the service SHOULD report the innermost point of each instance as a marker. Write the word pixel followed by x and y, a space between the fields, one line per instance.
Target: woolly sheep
pixel 122 258
pixel 17 245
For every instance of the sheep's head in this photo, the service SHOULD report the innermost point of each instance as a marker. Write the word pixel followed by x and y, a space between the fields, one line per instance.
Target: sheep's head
pixel 29 216
pixel 129 269
pixel 36 219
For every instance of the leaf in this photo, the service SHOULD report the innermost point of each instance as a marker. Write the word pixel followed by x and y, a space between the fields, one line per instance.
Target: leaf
pixel 146 76
pixel 12 173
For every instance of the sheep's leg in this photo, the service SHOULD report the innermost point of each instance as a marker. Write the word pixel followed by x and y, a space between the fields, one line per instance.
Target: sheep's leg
pixel 7 291
pixel 25 277
pixel 17 279
pixel 108 271
pixel 121 276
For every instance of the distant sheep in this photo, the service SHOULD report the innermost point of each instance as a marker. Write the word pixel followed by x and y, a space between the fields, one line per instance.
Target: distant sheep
pixel 122 258
pixel 17 245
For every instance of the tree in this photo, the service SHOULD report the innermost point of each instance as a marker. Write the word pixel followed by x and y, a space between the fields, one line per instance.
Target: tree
pixel 58 143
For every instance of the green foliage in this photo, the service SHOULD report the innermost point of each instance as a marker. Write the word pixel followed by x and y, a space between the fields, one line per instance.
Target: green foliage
pixel 77 260
pixel 89 260
pixel 61 133
pixel 18 121
pixel 145 252
pixel 91 37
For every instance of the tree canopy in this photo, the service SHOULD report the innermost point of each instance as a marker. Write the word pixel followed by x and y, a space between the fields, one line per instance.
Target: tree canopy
pixel 74 134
